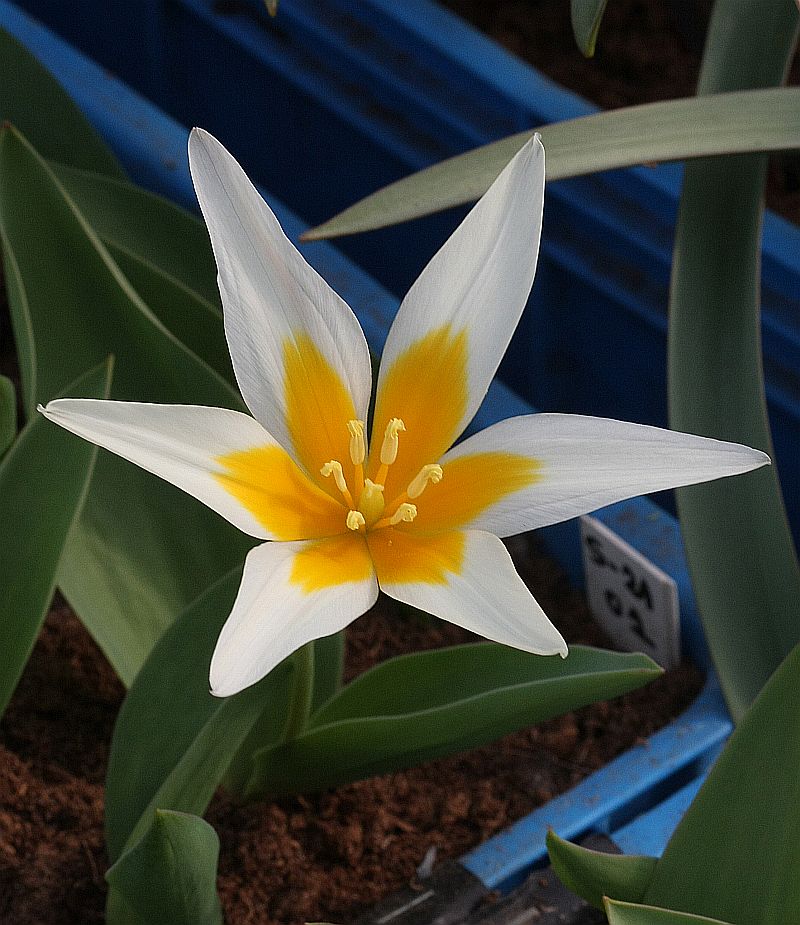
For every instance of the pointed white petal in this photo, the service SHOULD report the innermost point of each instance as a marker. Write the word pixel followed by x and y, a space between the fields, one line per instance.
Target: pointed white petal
pixel 276 613
pixel 271 297
pixel 485 596
pixel 583 463
pixel 477 284
pixel 183 444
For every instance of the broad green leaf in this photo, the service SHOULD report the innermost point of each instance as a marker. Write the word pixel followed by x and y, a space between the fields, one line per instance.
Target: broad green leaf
pixel 586 18
pixel 741 557
pixel 169 877
pixel 44 479
pixel 142 549
pixel 622 913
pixel 33 100
pixel 417 707
pixel 148 227
pixel 765 120
pixel 173 741
pixel 736 854
pixel 8 413
pixel 595 874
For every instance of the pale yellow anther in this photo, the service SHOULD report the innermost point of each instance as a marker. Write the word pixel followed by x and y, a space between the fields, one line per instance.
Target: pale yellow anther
pixel 390 441
pixel 371 502
pixel 334 468
pixel 405 513
pixel 358 445
pixel 431 473
pixel 355 520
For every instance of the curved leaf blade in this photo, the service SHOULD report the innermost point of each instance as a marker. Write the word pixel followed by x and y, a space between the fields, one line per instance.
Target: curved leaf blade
pixel 417 707
pixel 736 532
pixel 623 913
pixel 593 875
pixel 169 877
pixel 727 123
pixel 134 561
pixel 33 100
pixel 586 16
pixel 8 414
pixel 173 741
pixel 44 480
pixel 745 821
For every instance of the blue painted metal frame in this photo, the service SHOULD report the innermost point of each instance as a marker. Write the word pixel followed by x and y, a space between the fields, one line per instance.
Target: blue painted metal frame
pixel 153 148
pixel 335 98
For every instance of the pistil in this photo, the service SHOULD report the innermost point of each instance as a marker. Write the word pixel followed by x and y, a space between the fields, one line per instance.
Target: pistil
pixel 371 503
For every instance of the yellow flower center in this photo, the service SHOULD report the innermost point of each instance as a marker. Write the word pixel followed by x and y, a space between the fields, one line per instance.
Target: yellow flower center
pixel 372 512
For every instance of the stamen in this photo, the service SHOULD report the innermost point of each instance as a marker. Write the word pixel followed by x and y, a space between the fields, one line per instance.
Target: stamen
pixel 390 441
pixel 406 513
pixel 371 502
pixel 355 520
pixel 334 468
pixel 431 473
pixel 358 446
pixel 358 452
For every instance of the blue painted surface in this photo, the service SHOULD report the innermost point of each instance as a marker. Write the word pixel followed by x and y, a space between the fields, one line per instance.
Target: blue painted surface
pixel 152 147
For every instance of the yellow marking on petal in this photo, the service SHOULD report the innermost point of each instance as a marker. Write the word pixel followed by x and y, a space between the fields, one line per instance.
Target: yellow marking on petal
pixel 427 388
pixel 334 561
pixel 318 405
pixel 280 496
pixel 401 557
pixel 472 484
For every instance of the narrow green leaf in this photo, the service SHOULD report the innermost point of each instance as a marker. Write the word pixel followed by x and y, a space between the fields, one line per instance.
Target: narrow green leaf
pixel 8 413
pixel 173 741
pixel 142 548
pixel 169 877
pixel 744 824
pixel 44 479
pixel 146 226
pixel 417 707
pixel 623 913
pixel 33 100
pixel 764 120
pixel 586 17
pixel 595 874
pixel 742 560
pixel 328 666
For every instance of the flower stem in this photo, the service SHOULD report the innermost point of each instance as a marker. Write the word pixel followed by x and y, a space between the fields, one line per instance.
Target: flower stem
pixel 301 694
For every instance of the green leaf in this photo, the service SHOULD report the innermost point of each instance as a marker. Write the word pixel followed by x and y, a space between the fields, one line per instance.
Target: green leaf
pixel 622 913
pixel 586 17
pixel 736 853
pixel 33 100
pixel 142 549
pixel 595 874
pixel 765 120
pixel 8 413
pixel 146 226
pixel 44 479
pixel 169 877
pixel 328 666
pixel 417 707
pixel 738 543
pixel 173 741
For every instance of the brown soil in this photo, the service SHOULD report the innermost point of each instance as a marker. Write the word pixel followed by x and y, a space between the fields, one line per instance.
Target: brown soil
pixel 321 857
pixel 647 50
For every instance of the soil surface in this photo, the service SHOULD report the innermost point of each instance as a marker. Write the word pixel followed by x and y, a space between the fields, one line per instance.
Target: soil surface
pixel 647 50
pixel 323 857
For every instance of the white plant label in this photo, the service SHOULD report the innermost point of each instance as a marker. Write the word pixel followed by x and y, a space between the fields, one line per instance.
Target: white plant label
pixel 634 601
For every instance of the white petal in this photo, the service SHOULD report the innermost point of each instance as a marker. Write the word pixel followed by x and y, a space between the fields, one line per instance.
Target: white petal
pixel 274 616
pixel 270 295
pixel 486 597
pixel 179 443
pixel 588 462
pixel 480 279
